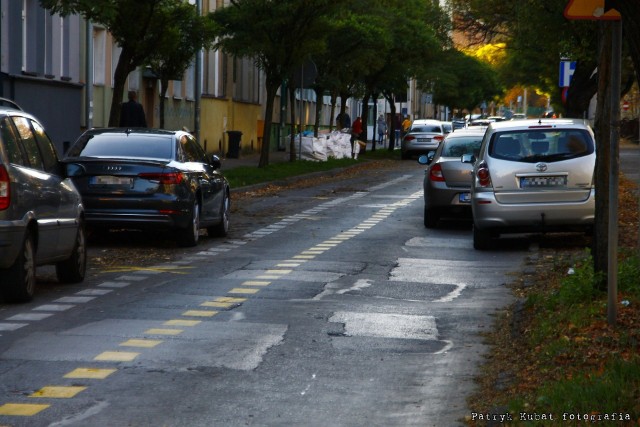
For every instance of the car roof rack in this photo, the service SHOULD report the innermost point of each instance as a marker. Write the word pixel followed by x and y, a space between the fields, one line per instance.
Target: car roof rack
pixel 11 103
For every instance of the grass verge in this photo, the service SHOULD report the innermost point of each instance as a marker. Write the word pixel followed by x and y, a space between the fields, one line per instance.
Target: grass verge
pixel 554 359
pixel 250 175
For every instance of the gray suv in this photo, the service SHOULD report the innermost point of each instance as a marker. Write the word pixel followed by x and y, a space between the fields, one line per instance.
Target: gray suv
pixel 533 176
pixel 41 212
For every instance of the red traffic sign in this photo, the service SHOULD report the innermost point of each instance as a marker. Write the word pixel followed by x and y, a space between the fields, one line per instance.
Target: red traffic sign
pixel 591 9
pixel 625 106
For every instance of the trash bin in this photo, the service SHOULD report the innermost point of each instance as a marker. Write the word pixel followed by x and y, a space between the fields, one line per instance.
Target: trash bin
pixel 234 143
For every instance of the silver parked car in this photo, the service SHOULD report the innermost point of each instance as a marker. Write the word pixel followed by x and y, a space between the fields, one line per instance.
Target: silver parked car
pixel 423 136
pixel 533 176
pixel 41 212
pixel 447 181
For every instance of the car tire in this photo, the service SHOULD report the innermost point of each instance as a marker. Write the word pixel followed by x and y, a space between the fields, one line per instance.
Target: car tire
pixel 73 270
pixel 221 229
pixel 190 235
pixel 20 279
pixel 481 239
pixel 431 217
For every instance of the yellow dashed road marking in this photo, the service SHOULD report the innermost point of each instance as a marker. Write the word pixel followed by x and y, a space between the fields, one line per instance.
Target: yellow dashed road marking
pixel 90 373
pixel 200 313
pixel 158 331
pixel 255 283
pixel 140 343
pixel 116 356
pixel 21 409
pixel 278 271
pixel 181 322
pixel 216 304
pixel 58 392
pixel 230 299
pixel 243 291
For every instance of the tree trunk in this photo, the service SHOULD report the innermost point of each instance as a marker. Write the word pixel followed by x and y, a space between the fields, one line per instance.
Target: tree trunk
pixel 316 126
pixel 164 86
pixel 272 90
pixel 123 68
pixel 392 125
pixel 602 129
pixel 334 97
pixel 583 86
pixel 292 110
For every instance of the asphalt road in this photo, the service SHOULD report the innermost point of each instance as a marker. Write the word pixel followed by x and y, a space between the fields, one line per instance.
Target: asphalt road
pixel 327 305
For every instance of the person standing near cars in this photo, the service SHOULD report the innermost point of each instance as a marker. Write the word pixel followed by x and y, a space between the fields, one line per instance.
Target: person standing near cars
pixel 132 113
pixel 406 125
pixel 382 129
pixel 356 130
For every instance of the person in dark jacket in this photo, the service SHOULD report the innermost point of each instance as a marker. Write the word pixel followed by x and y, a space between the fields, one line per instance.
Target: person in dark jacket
pixel 132 113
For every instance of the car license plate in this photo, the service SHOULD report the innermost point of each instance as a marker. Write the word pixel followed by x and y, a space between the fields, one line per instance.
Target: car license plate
pixel 111 180
pixel 424 139
pixel 543 181
pixel 465 197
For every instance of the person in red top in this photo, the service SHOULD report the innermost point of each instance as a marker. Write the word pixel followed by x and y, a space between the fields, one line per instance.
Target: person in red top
pixel 356 130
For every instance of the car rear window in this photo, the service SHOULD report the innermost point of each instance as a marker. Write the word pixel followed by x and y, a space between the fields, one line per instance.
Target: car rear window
pixel 436 129
pixel 121 145
pixel 456 147
pixel 541 145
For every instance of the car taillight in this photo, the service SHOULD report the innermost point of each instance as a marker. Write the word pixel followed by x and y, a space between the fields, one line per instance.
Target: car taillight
pixel 409 138
pixel 438 138
pixel 164 178
pixel 5 189
pixel 483 176
pixel 435 173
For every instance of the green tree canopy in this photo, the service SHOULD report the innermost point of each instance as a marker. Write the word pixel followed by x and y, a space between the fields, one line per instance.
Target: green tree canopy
pixel 279 35
pixel 141 28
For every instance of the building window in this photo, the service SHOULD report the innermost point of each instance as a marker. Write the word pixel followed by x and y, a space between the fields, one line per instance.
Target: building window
pixel 177 89
pixel 134 80
pixel 189 82
pixel 247 80
pixel 99 55
pixel 115 56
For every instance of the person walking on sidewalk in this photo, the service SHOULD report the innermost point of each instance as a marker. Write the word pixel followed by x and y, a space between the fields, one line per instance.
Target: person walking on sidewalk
pixel 382 129
pixel 356 130
pixel 132 113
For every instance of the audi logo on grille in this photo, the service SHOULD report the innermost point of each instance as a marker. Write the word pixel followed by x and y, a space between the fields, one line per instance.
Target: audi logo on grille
pixel 113 168
pixel 541 167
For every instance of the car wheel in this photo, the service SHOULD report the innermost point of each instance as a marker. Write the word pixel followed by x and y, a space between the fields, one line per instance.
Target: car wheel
pixel 221 229
pixel 190 235
pixel 431 217
pixel 20 279
pixel 72 270
pixel 481 239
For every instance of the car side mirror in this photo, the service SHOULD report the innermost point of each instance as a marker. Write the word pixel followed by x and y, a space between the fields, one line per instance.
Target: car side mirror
pixel 215 162
pixel 468 158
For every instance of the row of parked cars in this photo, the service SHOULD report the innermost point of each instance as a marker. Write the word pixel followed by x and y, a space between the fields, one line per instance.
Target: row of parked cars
pixel 112 177
pixel 513 177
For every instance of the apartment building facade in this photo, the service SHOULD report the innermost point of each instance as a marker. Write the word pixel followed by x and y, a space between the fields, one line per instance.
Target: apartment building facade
pixel 40 65
pixel 61 70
